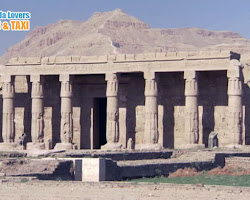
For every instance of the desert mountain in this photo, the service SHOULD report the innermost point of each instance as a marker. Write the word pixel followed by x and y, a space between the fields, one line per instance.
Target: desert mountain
pixel 116 32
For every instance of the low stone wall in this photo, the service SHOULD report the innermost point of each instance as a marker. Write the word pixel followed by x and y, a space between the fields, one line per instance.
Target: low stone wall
pixel 117 156
pixel 151 170
pixel 238 162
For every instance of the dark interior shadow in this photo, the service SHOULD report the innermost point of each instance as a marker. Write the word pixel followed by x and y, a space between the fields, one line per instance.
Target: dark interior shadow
pixel 207 123
pixel 27 112
pixel 23 100
pixel 212 92
pixel 52 99
pixel 135 97
pixel 168 126
pixel 246 102
pixel 171 94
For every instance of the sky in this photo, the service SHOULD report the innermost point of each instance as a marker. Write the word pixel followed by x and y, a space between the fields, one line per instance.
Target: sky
pixel 232 15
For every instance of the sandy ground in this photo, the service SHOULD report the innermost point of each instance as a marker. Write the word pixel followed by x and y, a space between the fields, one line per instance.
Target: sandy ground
pixel 55 190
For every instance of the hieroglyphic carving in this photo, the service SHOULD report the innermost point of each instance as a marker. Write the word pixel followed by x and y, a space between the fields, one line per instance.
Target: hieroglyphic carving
pixel 112 131
pixel 191 118
pixel 235 101
pixel 37 126
pixel 8 132
pixel 66 109
pixel 151 134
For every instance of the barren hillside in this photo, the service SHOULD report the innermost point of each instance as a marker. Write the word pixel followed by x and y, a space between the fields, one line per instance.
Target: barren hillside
pixel 116 32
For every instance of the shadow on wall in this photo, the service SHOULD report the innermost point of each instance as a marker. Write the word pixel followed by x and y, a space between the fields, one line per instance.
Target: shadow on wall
pixel 171 95
pixel 212 93
pixel 52 99
pixel 246 121
pixel 135 98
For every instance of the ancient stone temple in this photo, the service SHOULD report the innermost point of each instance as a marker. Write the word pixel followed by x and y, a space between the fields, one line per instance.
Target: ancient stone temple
pixel 141 101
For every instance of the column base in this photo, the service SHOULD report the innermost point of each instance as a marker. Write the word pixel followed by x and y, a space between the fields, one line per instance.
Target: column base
pixel 63 146
pixel 111 146
pixel 149 146
pixel 7 146
pixel 193 146
pixel 35 146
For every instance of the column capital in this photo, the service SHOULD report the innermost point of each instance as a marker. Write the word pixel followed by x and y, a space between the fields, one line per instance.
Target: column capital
pixel 36 78
pixel 6 78
pixel 8 89
pixel 112 84
pixel 234 69
pixel 111 77
pixel 148 75
pixel 234 78
pixel 37 86
pixel 65 78
pixel 190 74
pixel 191 84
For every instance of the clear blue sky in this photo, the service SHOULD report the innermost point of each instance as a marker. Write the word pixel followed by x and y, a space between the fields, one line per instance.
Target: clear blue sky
pixel 233 15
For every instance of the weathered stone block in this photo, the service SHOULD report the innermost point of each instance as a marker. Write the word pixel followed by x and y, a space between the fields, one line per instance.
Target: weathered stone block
pixel 93 169
pixel 213 140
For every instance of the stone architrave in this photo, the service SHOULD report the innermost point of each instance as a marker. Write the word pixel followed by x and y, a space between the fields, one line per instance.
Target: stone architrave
pixel 151 134
pixel 66 134
pixel 112 127
pixel 8 127
pixel 37 122
pixel 191 110
pixel 235 103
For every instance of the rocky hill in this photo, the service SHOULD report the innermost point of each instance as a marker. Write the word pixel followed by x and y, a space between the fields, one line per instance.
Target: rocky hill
pixel 116 32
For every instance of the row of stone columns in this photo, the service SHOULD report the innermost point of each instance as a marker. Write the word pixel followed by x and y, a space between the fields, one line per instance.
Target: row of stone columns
pixel 151 134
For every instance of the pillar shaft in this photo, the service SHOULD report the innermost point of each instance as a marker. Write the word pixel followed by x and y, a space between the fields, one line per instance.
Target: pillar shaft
pixel 8 131
pixel 66 112
pixel 112 132
pixel 66 131
pixel 191 108
pixel 151 111
pixel 37 125
pixel 235 103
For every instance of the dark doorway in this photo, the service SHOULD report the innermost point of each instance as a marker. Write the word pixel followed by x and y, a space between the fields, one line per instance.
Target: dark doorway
pixel 99 129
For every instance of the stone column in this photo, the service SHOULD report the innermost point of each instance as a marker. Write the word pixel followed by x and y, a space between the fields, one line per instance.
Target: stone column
pixel 112 128
pixel 8 127
pixel 235 103
pixel 37 122
pixel 66 114
pixel 191 110
pixel 151 134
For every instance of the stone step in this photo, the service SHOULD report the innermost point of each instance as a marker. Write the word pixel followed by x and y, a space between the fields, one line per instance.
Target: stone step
pixel 120 155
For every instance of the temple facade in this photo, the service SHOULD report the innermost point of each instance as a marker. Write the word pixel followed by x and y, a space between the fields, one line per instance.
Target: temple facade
pixel 142 101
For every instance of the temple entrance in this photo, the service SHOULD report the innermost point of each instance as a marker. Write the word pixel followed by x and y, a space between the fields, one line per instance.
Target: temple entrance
pixel 99 128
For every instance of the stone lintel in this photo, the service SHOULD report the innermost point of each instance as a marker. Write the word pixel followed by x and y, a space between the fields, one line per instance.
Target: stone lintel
pixel 189 55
